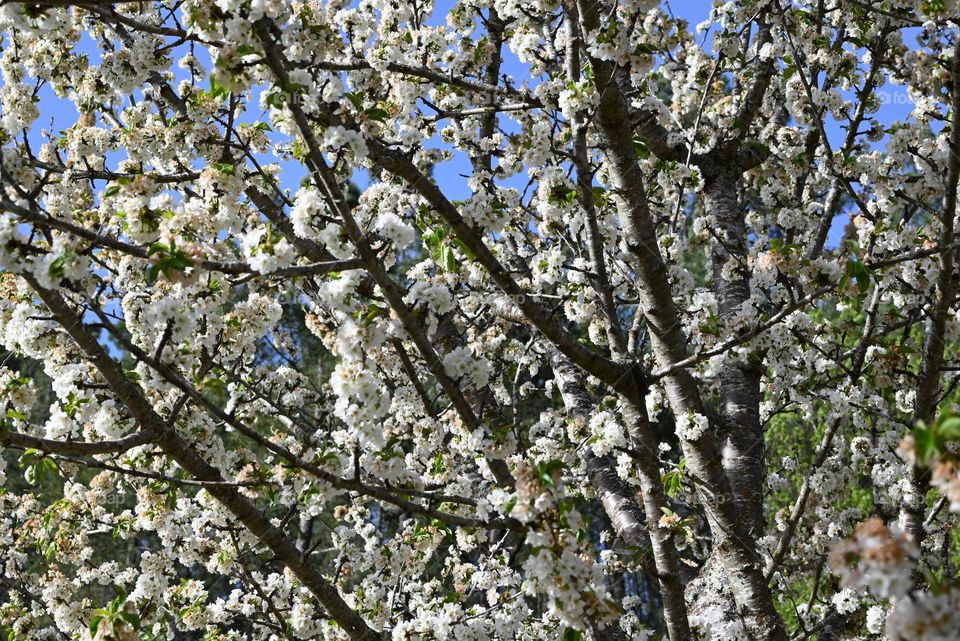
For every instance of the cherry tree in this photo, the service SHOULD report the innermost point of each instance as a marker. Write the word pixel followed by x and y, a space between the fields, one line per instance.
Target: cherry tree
pixel 563 319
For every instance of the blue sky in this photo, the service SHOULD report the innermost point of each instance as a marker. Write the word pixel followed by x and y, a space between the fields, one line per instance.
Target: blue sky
pixel 58 114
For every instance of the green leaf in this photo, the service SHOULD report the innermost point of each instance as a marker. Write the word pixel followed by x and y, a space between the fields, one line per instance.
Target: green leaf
pixel 432 239
pixel 56 268
pixel 373 312
pixel 572 634
pixel 464 248
pixel 448 260
pixel 441 251
pixel 925 442
pixel 562 195
pixel 276 99
pixel 376 113
pixel 546 471
pixel 218 91
pixel 931 442
pixel 859 273
pixel 439 467
pixel 157 248
pixel 30 455
pixel 95 624
pixel 170 259
pixel 640 149
pixel 672 483
pixel 170 500
pixel 356 99
pixel 949 429
pixel 132 618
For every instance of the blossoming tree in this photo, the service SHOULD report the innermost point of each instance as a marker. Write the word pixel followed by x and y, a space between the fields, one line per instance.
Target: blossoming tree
pixel 640 383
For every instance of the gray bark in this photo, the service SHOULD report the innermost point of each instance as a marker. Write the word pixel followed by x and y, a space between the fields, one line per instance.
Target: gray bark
pixel 733 545
pixel 743 453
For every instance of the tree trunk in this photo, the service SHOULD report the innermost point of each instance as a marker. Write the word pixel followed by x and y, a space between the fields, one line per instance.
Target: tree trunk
pixel 743 452
pixel 619 501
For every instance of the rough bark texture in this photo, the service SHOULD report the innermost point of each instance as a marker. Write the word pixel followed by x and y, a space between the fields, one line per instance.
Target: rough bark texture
pixel 731 539
pixel 669 343
pixel 743 453
pixel 664 547
pixel 613 276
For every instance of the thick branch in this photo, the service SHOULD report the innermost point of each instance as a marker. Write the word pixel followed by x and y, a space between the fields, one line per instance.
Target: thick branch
pixel 75 448
pixel 187 457
pixel 928 382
